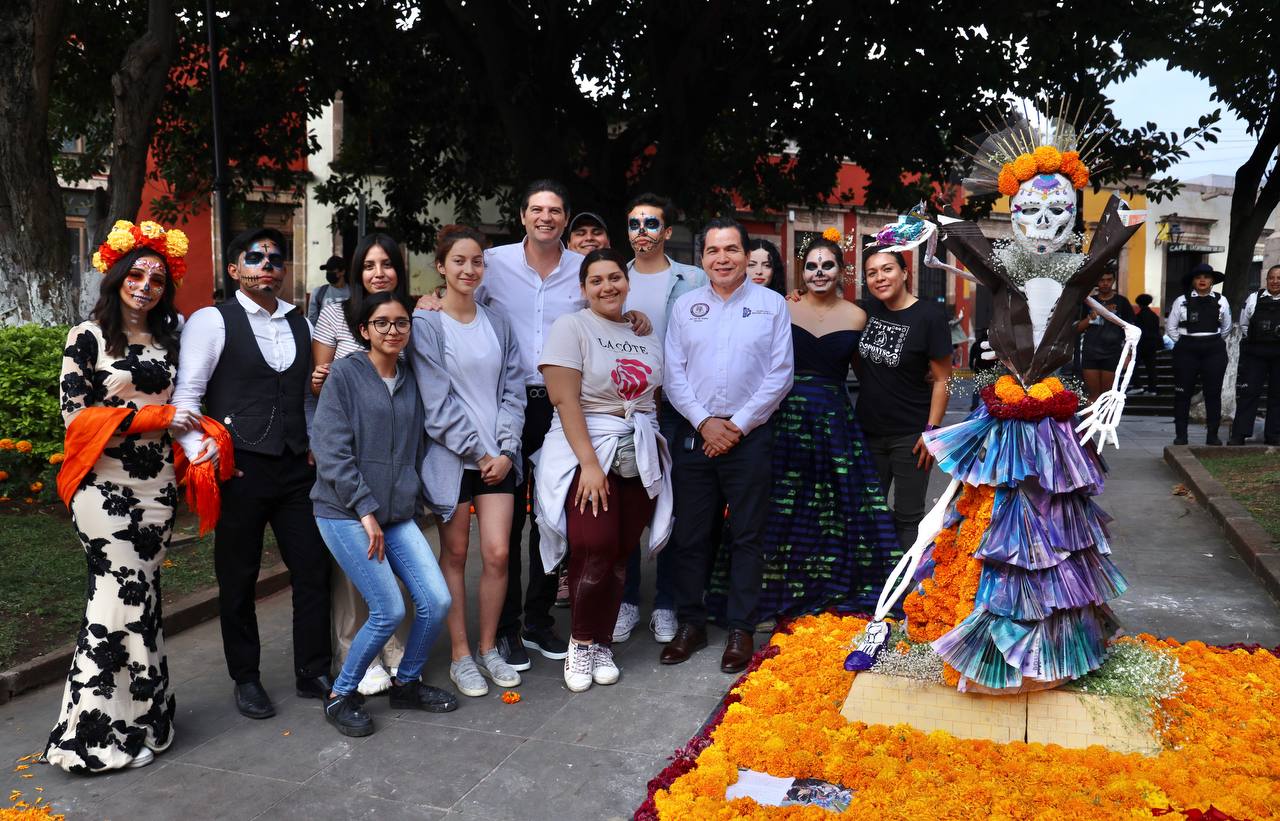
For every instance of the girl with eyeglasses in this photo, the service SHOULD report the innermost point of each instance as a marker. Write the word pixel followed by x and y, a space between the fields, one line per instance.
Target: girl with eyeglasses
pixel 378 267
pixel 829 539
pixel 468 367
pixel 368 446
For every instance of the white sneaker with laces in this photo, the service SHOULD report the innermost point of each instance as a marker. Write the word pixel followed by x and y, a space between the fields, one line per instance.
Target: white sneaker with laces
pixel 603 670
pixel 577 667
pixel 628 618
pixel 376 680
pixel 663 624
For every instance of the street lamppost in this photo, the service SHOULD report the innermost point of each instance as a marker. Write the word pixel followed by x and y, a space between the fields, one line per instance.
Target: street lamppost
pixel 220 181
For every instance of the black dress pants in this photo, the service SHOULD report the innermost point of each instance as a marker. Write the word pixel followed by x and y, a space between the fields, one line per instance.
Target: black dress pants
pixel 274 490
pixel 1259 367
pixel 541 593
pixel 702 485
pixel 1198 359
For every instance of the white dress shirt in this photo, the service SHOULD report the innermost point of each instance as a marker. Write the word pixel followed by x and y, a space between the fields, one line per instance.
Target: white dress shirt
pixel 531 304
pixel 1178 315
pixel 1251 305
pixel 203 339
pixel 729 357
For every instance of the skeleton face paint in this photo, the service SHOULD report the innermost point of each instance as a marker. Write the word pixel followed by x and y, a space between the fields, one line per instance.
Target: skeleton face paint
pixel 820 272
pixel 261 267
pixel 144 284
pixel 1042 213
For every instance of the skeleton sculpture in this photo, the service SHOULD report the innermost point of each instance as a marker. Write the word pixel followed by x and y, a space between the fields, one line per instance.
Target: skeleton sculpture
pixel 1037 291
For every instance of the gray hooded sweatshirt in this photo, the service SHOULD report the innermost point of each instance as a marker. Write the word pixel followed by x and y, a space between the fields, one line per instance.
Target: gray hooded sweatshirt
pixel 367 444
pixel 452 436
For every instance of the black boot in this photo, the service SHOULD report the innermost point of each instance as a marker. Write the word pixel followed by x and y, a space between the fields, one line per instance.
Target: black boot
pixel 348 715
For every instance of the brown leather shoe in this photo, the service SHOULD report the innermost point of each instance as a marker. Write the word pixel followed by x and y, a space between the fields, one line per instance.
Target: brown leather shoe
pixel 738 649
pixel 690 638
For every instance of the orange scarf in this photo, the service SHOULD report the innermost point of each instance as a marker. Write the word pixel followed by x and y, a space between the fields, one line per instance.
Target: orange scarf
pixel 87 438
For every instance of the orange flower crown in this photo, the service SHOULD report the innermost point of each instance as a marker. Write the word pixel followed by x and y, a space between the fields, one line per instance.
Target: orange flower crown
pixel 1052 138
pixel 1044 160
pixel 171 244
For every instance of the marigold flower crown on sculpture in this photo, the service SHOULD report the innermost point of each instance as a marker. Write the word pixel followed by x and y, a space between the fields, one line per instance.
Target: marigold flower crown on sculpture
pixel 124 236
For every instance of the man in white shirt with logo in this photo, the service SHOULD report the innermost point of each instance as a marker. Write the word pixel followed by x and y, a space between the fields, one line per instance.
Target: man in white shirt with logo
pixel 728 366
pixel 657 281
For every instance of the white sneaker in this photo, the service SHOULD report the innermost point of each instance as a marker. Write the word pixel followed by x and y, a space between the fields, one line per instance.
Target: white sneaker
pixel 577 667
pixel 663 624
pixel 376 680
pixel 142 759
pixel 628 618
pixel 603 670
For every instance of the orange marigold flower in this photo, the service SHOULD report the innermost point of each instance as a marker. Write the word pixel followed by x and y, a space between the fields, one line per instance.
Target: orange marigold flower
pixel 1007 182
pixel 1054 384
pixel 511 697
pixel 1024 167
pixel 23 446
pixel 1040 391
pixel 1080 177
pixel 902 647
pixel 36 487
pixel 1048 159
pixel 57 458
pixel 832 234
pixel 6 444
pixel 1008 390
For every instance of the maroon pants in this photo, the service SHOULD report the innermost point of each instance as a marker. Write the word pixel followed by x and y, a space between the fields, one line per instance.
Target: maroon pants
pixel 599 547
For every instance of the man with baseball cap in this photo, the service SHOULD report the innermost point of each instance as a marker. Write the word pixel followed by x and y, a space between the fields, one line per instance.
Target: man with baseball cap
pixel 334 289
pixel 587 232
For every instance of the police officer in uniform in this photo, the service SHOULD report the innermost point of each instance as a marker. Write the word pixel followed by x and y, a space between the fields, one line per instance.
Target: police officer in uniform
pixel 1198 321
pixel 1259 362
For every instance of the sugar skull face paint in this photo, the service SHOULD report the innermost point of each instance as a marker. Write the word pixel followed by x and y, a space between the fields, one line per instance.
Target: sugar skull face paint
pixel 1042 213
pixel 261 268
pixel 144 284
pixel 821 272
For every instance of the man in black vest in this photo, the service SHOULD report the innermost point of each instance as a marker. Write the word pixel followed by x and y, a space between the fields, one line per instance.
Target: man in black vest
pixel 249 359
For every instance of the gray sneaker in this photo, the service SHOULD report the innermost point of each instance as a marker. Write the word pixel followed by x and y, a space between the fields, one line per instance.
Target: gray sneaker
pixel 467 678
pixel 493 666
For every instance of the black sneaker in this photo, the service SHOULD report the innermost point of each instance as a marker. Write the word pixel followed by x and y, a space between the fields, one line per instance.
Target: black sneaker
pixel 348 715
pixel 1236 441
pixel 512 652
pixel 545 641
pixel 1180 440
pixel 1213 442
pixel 414 695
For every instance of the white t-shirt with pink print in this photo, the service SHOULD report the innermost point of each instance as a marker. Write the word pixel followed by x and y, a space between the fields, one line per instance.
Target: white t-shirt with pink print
pixel 620 370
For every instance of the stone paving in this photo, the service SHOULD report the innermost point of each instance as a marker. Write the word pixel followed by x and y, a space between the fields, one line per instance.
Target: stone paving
pixel 558 755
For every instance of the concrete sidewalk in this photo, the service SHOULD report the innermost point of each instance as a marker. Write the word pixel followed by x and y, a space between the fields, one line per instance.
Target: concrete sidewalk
pixel 558 754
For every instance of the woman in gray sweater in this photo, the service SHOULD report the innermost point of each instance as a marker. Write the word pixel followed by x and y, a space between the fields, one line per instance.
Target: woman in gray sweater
pixel 467 365
pixel 368 445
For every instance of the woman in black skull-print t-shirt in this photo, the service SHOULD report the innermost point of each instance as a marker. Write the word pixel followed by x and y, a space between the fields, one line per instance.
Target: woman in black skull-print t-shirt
pixel 904 361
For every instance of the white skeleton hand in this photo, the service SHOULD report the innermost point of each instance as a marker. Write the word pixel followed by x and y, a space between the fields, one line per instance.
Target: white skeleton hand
pixel 1102 418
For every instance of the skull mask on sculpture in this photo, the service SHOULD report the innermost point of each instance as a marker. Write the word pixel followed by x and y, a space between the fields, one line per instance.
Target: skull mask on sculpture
pixel 1042 213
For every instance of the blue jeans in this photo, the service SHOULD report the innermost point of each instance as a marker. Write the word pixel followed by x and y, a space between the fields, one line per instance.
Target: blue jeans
pixel 409 558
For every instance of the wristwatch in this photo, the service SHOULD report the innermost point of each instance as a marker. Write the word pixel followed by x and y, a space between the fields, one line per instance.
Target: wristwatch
pixel 509 454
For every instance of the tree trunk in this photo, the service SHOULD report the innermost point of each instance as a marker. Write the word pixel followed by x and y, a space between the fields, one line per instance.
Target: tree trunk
pixel 137 89
pixel 1256 195
pixel 35 283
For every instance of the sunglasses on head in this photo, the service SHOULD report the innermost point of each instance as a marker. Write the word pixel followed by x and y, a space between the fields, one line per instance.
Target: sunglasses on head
pixel 274 260
pixel 827 265
pixel 648 224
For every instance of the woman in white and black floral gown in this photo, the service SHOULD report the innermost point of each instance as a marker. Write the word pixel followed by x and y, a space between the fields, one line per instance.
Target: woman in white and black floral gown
pixel 117 708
